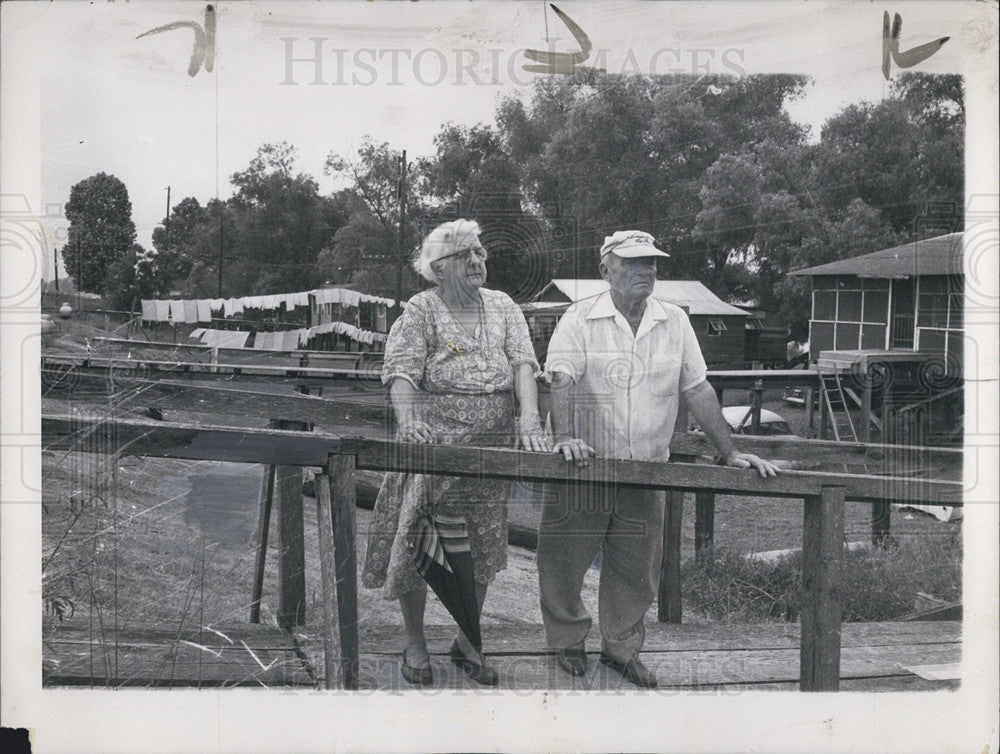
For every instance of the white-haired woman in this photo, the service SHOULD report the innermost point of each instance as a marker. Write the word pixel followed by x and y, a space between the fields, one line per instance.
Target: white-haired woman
pixel 455 362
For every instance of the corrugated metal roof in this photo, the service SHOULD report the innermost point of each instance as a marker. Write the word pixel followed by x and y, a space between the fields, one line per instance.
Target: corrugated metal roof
pixel 933 256
pixel 687 293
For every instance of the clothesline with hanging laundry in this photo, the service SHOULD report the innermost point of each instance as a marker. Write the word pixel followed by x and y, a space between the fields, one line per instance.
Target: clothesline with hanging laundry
pixel 284 340
pixel 194 311
pixel 221 338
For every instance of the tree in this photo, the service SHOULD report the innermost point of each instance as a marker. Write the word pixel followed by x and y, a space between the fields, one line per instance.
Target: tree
pixel 101 233
pixel 175 240
pixel 282 221
pixel 365 251
pixel 473 172
pixel 861 230
pixel 267 236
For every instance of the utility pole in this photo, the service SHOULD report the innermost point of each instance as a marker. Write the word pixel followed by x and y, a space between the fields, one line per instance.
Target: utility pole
pixel 220 253
pixel 55 265
pixel 166 225
pixel 402 230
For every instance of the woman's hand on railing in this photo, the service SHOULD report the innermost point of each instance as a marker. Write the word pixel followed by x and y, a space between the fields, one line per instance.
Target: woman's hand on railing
pixel 415 431
pixel 573 449
pixel 531 434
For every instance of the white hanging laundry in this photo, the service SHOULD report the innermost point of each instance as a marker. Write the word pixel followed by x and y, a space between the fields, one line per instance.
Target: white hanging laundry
pixel 275 341
pixel 190 312
pixel 176 311
pixel 197 333
pixel 148 310
pixel 162 310
pixel 290 340
pixel 232 338
pixel 204 310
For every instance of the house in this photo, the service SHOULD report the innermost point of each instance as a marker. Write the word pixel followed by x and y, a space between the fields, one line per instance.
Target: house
pixel 894 318
pixel 767 337
pixel 720 327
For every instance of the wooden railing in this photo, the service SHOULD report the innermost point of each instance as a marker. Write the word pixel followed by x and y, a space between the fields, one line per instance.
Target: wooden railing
pixel 824 494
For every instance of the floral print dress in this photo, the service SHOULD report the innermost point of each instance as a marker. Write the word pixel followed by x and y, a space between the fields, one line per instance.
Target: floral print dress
pixel 465 382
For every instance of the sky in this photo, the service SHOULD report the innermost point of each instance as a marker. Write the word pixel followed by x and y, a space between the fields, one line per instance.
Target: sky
pixel 394 71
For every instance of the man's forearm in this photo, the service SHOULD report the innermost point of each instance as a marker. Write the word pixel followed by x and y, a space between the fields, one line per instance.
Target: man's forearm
pixel 704 407
pixel 561 410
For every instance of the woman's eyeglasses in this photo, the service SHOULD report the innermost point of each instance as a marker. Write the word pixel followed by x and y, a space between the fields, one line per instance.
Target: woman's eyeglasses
pixel 465 255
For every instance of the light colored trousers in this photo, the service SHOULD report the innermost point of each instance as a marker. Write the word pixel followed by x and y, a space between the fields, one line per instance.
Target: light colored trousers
pixel 626 526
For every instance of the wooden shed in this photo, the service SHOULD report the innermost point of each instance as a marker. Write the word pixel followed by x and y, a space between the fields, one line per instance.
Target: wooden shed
pixel 907 298
pixel 719 326
pixel 895 317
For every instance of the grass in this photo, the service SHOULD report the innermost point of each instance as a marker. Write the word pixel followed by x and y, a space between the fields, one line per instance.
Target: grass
pixel 876 584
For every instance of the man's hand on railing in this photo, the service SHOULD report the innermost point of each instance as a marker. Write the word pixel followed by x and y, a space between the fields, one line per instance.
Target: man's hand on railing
pixel 415 431
pixel 531 434
pixel 748 460
pixel 573 449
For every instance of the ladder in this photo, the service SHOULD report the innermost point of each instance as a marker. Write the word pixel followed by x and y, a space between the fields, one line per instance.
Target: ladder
pixel 835 404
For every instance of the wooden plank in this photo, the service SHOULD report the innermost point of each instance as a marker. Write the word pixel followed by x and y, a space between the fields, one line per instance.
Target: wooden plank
pixel 328 574
pixel 263 529
pixel 894 460
pixel 199 348
pixel 746 379
pixel 354 403
pixel 515 638
pixel 291 535
pixel 368 407
pixel 683 670
pixel 278 447
pixel 342 490
pixel 379 455
pixel 143 367
pixel 704 523
pixel 668 607
pixel 198 443
pixel 822 552
pixel 225 655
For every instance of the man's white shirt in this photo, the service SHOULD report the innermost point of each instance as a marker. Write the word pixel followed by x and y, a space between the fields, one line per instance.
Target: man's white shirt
pixel 627 387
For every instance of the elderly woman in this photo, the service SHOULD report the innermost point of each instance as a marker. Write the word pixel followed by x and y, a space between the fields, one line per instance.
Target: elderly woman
pixel 454 363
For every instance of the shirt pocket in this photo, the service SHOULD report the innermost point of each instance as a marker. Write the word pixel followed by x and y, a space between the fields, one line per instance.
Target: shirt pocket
pixel 663 375
pixel 611 371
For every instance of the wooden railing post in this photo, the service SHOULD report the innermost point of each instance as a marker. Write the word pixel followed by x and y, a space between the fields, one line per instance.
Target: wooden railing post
pixel 263 528
pixel 704 523
pixel 328 579
pixel 344 506
pixel 822 553
pixel 291 536
pixel 881 523
pixel 668 608
pixel 755 405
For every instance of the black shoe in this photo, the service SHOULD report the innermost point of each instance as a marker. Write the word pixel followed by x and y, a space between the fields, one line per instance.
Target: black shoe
pixel 483 674
pixel 422 676
pixel 632 670
pixel 572 660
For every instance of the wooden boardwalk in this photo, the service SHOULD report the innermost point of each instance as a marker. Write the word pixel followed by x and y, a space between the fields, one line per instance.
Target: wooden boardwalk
pixel 76 653
pixel 687 657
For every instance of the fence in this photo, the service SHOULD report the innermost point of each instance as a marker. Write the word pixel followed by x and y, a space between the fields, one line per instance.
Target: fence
pixel 824 495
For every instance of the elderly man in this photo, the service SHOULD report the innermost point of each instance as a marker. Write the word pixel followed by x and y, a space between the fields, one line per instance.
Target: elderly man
pixel 620 363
